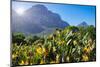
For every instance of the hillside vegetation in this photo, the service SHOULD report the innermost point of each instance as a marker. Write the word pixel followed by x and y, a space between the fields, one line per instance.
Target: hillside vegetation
pixel 72 44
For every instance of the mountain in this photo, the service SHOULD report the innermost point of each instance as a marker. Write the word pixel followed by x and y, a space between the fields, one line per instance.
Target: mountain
pixel 36 19
pixel 83 24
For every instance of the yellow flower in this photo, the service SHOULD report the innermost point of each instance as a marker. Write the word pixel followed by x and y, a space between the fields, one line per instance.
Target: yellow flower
pixel 42 62
pixel 39 50
pixel 61 42
pixel 22 63
pixel 14 56
pixel 43 49
pixel 87 50
pixel 16 52
pixel 85 58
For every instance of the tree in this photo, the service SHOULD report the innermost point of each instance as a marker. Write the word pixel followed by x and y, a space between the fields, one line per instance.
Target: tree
pixel 18 38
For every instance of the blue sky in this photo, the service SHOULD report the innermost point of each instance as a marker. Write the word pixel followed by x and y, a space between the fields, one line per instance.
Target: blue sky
pixel 73 14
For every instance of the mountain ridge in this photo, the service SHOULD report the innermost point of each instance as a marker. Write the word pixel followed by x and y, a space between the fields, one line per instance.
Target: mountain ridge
pixel 83 24
pixel 36 19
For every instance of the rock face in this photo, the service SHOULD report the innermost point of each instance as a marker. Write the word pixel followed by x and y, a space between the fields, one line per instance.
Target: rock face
pixel 36 20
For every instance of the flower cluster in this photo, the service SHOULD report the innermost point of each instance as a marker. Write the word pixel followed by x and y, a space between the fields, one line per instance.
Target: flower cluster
pixel 58 47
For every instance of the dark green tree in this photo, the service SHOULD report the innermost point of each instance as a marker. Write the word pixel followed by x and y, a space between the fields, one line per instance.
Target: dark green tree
pixel 18 38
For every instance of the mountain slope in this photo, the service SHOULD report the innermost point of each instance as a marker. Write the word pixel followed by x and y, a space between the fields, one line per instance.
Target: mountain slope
pixel 36 20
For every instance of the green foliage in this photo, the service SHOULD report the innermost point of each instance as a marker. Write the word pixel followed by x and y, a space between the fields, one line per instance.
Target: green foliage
pixel 73 44
pixel 18 37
